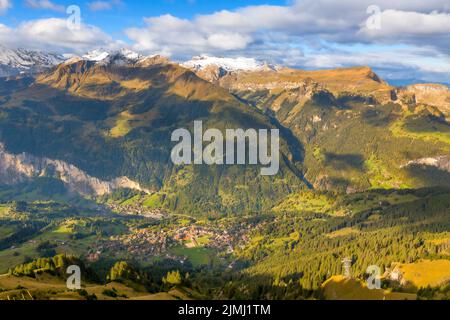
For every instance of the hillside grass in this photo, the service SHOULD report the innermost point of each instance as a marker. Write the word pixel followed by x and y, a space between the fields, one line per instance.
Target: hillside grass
pixel 48 287
pixel 305 202
pixel 13 257
pixel 380 177
pixel 342 288
pixel 441 133
pixel 427 273
pixel 197 256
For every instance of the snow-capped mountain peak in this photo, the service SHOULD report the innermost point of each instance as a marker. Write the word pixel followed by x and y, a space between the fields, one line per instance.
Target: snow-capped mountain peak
pixel 16 61
pixel 96 55
pixel 122 56
pixel 228 64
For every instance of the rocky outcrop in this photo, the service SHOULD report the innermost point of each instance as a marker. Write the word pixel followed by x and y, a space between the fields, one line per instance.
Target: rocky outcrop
pixel 152 61
pixel 436 95
pixel 441 162
pixel 18 168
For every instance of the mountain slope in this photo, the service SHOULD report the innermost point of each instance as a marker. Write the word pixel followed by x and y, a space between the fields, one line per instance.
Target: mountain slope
pixel 358 132
pixel 111 115
pixel 356 80
pixel 112 120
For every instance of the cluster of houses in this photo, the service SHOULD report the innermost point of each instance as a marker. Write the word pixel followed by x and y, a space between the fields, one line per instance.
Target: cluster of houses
pixel 140 243
pixel 212 238
pixel 147 243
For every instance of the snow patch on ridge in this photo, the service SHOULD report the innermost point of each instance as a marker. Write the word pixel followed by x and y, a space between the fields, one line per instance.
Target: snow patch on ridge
pixel 17 61
pixel 119 57
pixel 228 64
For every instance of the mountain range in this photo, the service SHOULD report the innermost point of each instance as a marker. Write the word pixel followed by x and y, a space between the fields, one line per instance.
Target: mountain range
pixel 108 116
pixel 86 178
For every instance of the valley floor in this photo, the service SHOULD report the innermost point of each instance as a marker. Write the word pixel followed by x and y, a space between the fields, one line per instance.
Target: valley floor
pixel 296 251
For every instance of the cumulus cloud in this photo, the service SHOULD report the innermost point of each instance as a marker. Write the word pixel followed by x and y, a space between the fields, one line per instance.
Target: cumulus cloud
pixel 45 4
pixel 338 21
pixel 414 27
pixel 54 34
pixel 171 35
pixel 5 5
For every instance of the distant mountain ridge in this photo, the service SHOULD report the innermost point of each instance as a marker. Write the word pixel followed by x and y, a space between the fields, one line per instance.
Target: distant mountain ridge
pixel 213 69
pixel 16 61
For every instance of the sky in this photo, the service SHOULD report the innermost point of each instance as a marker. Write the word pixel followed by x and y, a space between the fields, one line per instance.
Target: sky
pixel 402 40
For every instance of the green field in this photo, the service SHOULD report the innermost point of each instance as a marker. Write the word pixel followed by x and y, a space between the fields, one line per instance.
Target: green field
pixel 197 256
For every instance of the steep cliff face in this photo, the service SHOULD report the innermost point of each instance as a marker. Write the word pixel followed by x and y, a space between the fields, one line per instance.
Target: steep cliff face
pixel 430 94
pixel 19 168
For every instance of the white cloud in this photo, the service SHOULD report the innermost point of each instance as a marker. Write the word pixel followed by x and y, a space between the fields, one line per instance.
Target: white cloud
pixel 171 35
pixel 5 5
pixel 228 41
pixel 45 4
pixel 53 34
pixel 304 20
pixel 395 23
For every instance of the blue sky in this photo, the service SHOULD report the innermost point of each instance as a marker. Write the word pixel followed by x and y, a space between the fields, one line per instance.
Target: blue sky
pixel 402 39
pixel 129 13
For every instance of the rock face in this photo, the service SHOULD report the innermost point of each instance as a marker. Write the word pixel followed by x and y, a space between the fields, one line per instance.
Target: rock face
pixel 243 74
pixel 441 162
pixel 261 84
pixel 436 95
pixel 19 168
